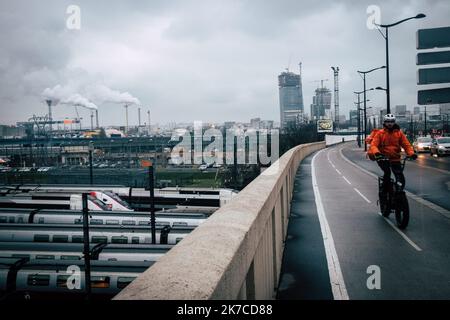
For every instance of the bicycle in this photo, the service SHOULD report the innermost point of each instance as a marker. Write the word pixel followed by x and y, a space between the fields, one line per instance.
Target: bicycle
pixel 393 198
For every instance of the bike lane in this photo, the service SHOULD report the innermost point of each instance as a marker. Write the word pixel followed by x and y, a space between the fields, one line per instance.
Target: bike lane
pixel 413 264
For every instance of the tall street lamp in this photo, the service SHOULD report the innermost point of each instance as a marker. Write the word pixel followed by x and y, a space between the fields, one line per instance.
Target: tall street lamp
pixel 91 174
pixel 365 113
pixel 386 37
pixel 365 116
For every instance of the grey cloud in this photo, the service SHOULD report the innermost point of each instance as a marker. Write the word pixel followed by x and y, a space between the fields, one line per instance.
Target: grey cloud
pixel 202 60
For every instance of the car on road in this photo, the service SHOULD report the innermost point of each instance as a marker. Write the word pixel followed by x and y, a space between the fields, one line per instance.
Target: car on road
pixel 422 144
pixel 440 147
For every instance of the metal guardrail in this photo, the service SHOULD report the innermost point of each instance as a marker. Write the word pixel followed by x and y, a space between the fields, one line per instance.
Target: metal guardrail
pixel 237 252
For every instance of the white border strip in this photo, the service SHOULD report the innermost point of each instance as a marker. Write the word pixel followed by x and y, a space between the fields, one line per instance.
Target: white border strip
pixel 334 269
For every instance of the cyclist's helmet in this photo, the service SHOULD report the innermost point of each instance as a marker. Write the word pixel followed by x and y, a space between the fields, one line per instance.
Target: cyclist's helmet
pixel 389 117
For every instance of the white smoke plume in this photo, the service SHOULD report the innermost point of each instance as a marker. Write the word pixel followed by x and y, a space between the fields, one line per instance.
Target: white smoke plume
pixel 102 93
pixel 78 100
pixel 98 93
pixel 57 93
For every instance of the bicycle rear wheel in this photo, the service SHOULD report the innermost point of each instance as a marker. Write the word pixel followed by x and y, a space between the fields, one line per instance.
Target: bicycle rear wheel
pixel 402 211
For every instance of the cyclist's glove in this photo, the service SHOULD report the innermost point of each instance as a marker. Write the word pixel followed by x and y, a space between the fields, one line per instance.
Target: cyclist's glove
pixel 378 156
pixel 413 156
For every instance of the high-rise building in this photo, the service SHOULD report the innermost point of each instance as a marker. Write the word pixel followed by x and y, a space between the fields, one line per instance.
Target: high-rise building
pixel 353 118
pixel 321 106
pixel 266 124
pixel 400 110
pixel 291 98
pixel 416 110
pixel 445 108
pixel 255 123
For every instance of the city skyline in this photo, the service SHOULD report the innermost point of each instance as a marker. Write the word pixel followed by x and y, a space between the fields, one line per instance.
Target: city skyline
pixel 216 63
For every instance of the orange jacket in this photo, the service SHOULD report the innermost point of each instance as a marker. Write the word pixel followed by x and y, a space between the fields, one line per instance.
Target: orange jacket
pixel 389 143
pixel 369 139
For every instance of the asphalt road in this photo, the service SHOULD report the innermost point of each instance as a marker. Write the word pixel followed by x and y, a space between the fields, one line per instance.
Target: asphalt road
pixel 337 238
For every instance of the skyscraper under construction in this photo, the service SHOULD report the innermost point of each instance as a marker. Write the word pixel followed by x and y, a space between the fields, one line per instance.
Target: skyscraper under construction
pixel 291 98
pixel 321 106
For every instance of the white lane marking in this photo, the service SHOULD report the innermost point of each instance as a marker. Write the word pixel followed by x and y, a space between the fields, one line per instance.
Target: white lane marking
pixel 442 211
pixel 338 171
pixel 363 196
pixel 328 157
pixel 404 236
pixel 334 268
pixel 347 180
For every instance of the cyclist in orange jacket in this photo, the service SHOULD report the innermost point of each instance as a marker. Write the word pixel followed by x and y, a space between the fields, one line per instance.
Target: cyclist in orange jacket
pixel 387 143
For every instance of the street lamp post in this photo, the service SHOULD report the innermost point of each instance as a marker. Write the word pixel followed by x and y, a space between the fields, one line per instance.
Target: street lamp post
pixel 365 117
pixel 91 173
pixel 425 121
pixel 365 113
pixel 86 249
pixel 445 124
pixel 358 113
pixel 386 37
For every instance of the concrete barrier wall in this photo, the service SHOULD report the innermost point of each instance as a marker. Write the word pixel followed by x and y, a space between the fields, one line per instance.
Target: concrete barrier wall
pixel 237 252
pixel 331 139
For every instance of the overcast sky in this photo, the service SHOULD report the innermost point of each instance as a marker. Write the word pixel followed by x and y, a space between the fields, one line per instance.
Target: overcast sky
pixel 205 60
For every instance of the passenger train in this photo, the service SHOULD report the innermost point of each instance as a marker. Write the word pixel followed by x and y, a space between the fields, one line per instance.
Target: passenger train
pixel 73 233
pixel 138 197
pixel 22 278
pixel 125 218
pixel 74 251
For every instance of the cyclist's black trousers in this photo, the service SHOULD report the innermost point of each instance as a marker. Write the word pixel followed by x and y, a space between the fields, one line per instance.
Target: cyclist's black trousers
pixel 396 169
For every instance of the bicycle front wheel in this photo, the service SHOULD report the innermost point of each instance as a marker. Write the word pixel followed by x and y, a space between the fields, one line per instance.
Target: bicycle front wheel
pixel 402 211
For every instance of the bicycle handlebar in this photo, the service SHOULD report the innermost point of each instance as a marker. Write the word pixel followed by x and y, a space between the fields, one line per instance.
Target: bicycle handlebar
pixel 384 158
pixel 402 160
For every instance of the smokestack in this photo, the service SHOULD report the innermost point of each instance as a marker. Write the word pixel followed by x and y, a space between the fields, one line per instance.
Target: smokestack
pixel 96 119
pixel 92 120
pixel 148 113
pixel 50 117
pixel 139 116
pixel 126 119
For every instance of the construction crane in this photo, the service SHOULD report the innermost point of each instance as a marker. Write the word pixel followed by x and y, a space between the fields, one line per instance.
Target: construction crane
pixel 336 96
pixel 78 115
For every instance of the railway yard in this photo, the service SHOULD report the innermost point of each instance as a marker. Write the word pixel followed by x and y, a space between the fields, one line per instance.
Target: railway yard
pixel 44 240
